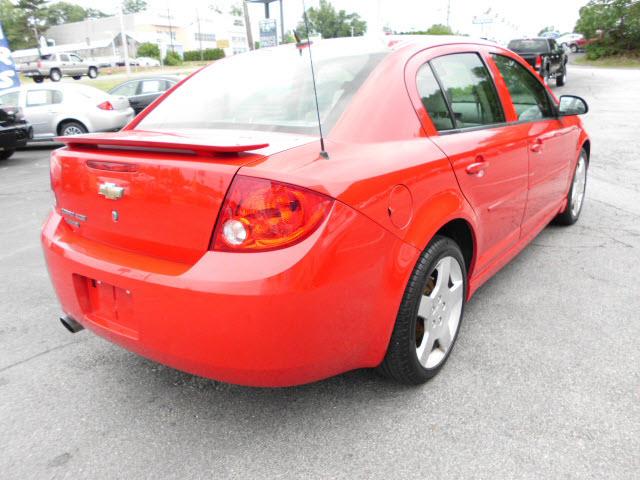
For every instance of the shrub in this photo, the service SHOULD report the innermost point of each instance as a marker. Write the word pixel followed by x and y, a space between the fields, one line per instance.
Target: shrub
pixel 173 59
pixel 208 54
pixel 149 50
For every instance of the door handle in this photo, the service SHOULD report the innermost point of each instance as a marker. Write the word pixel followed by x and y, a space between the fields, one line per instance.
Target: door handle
pixel 478 168
pixel 536 147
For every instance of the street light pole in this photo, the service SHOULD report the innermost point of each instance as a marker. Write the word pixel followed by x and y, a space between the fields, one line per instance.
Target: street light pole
pixel 123 40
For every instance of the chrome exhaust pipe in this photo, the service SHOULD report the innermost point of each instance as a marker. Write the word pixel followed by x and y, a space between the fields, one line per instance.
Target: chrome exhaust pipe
pixel 70 324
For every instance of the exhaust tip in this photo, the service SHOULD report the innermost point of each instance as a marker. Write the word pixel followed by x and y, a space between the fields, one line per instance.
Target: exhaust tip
pixel 70 324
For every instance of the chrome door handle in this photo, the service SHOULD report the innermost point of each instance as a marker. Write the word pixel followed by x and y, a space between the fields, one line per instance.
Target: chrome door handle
pixel 536 147
pixel 477 168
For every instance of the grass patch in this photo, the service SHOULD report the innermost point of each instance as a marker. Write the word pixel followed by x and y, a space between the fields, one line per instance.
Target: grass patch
pixel 622 61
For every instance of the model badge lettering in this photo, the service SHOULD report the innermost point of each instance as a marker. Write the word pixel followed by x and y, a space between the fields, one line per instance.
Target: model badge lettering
pixel 110 190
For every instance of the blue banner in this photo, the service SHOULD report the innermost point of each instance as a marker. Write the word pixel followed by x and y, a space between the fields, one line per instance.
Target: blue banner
pixel 8 74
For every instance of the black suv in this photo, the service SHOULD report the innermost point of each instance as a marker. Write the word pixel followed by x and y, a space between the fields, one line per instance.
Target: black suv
pixel 545 55
pixel 15 131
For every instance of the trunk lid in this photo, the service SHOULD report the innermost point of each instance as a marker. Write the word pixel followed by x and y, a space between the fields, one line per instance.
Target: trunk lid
pixel 153 193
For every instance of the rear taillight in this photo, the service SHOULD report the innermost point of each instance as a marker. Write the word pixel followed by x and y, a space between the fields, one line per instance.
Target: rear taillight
pixel 106 105
pixel 538 62
pixel 55 175
pixel 39 64
pixel 259 215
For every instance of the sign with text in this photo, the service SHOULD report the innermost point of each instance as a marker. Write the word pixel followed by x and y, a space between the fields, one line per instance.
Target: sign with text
pixel 8 75
pixel 268 33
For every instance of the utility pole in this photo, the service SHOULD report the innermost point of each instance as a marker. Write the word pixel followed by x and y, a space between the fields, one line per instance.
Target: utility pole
pixel 247 24
pixel 123 41
pixel 170 29
pixel 448 13
pixel 282 21
pixel 199 34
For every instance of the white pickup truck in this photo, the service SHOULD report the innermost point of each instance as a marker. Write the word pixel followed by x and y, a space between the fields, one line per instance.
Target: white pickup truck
pixel 57 65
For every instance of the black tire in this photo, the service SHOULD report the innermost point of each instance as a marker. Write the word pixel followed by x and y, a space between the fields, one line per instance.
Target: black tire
pixel 561 80
pixel 77 77
pixel 574 48
pixel 71 127
pixel 93 72
pixel 38 79
pixel 401 361
pixel 6 154
pixel 571 216
pixel 55 75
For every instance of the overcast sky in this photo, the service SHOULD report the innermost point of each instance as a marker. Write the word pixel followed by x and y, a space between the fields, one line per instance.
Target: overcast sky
pixel 405 15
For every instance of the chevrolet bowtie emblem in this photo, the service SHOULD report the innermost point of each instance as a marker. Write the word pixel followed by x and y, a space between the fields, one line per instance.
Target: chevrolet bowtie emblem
pixel 110 190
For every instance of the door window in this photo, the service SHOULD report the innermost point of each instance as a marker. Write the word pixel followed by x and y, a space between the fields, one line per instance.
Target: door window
pixel 433 99
pixel 36 98
pixel 528 95
pixel 469 90
pixel 152 86
pixel 127 90
pixel 64 57
pixel 10 99
pixel 75 58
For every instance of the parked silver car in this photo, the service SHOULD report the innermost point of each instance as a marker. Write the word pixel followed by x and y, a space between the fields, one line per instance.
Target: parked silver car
pixel 68 109
pixel 57 65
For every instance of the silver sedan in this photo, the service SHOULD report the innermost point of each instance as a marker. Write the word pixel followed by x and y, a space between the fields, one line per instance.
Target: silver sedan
pixel 67 109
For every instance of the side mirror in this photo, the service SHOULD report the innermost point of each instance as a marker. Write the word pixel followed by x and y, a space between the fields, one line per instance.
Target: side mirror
pixel 572 105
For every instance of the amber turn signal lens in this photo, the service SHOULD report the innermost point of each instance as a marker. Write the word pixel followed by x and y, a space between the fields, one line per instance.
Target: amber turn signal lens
pixel 259 215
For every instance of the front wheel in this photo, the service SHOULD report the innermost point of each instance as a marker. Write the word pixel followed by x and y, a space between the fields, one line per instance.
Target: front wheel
pixel 561 79
pixel 55 75
pixel 6 154
pixel 574 48
pixel 576 193
pixel 430 314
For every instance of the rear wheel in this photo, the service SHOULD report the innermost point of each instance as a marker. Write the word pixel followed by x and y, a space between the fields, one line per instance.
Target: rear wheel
pixel 55 75
pixel 430 315
pixel 575 199
pixel 70 128
pixel 574 48
pixel 93 72
pixel 6 154
pixel 38 79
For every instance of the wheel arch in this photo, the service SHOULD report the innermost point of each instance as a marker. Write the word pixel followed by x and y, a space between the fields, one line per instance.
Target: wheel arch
pixel 67 120
pixel 460 231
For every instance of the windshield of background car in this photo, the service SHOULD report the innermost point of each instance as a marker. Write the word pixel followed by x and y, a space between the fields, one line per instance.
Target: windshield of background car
pixel 529 46
pixel 271 89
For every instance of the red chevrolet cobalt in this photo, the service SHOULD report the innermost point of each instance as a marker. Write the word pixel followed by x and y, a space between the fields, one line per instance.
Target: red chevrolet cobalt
pixel 216 235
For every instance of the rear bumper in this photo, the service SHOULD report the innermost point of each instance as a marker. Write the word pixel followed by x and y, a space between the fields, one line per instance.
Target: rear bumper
pixel 324 306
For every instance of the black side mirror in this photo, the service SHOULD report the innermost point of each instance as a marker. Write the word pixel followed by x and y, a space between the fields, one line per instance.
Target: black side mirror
pixel 572 105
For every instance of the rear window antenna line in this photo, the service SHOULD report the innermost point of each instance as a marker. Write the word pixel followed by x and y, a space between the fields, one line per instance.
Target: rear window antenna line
pixel 323 152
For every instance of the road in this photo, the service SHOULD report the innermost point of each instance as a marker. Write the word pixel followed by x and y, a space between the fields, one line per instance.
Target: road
pixel 544 381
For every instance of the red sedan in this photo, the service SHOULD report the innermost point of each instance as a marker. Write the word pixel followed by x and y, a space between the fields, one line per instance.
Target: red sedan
pixel 214 236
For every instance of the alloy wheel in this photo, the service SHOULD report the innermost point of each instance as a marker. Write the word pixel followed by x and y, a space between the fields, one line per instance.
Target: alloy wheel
pixel 579 186
pixel 439 313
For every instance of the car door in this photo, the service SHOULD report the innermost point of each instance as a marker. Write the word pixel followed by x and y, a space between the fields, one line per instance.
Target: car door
pixel 40 110
pixel 490 161
pixel 551 139
pixel 148 91
pixel 65 64
pixel 77 65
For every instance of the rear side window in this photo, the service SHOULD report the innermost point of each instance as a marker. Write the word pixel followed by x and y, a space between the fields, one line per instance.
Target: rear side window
pixel 127 89
pixel 36 98
pixel 529 46
pixel 9 99
pixel 469 89
pixel 433 99
pixel 152 86
pixel 528 95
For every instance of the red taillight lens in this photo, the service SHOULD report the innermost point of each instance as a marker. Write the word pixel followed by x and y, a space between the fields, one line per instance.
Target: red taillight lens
pixel 259 215
pixel 105 105
pixel 55 175
pixel 538 62
pixel 39 64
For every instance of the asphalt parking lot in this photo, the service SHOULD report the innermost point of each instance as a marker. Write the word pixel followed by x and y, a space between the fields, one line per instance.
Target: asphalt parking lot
pixel 544 381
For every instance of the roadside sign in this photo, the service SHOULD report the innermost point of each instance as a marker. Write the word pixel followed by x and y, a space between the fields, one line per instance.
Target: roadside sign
pixel 268 33
pixel 222 43
pixel 8 75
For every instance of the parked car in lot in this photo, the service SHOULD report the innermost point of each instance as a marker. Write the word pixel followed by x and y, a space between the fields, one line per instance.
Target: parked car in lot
pixel 68 109
pixel 545 55
pixel 573 41
pixel 15 131
pixel 58 65
pixel 216 234
pixel 141 92
pixel 147 62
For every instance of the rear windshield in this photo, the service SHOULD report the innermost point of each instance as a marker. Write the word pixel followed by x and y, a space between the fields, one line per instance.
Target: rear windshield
pixel 529 46
pixel 271 89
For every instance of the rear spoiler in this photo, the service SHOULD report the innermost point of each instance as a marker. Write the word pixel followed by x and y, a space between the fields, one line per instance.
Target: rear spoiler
pixel 157 141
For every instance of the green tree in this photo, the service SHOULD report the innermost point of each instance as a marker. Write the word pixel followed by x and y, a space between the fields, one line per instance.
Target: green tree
pixel 173 59
pixel 439 29
pixel 63 12
pixel 149 49
pixel 328 23
pixel 34 15
pixel 619 21
pixel 550 28
pixel 134 6
pixel 15 26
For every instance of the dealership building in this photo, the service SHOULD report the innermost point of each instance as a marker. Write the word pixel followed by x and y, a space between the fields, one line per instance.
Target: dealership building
pixel 178 31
